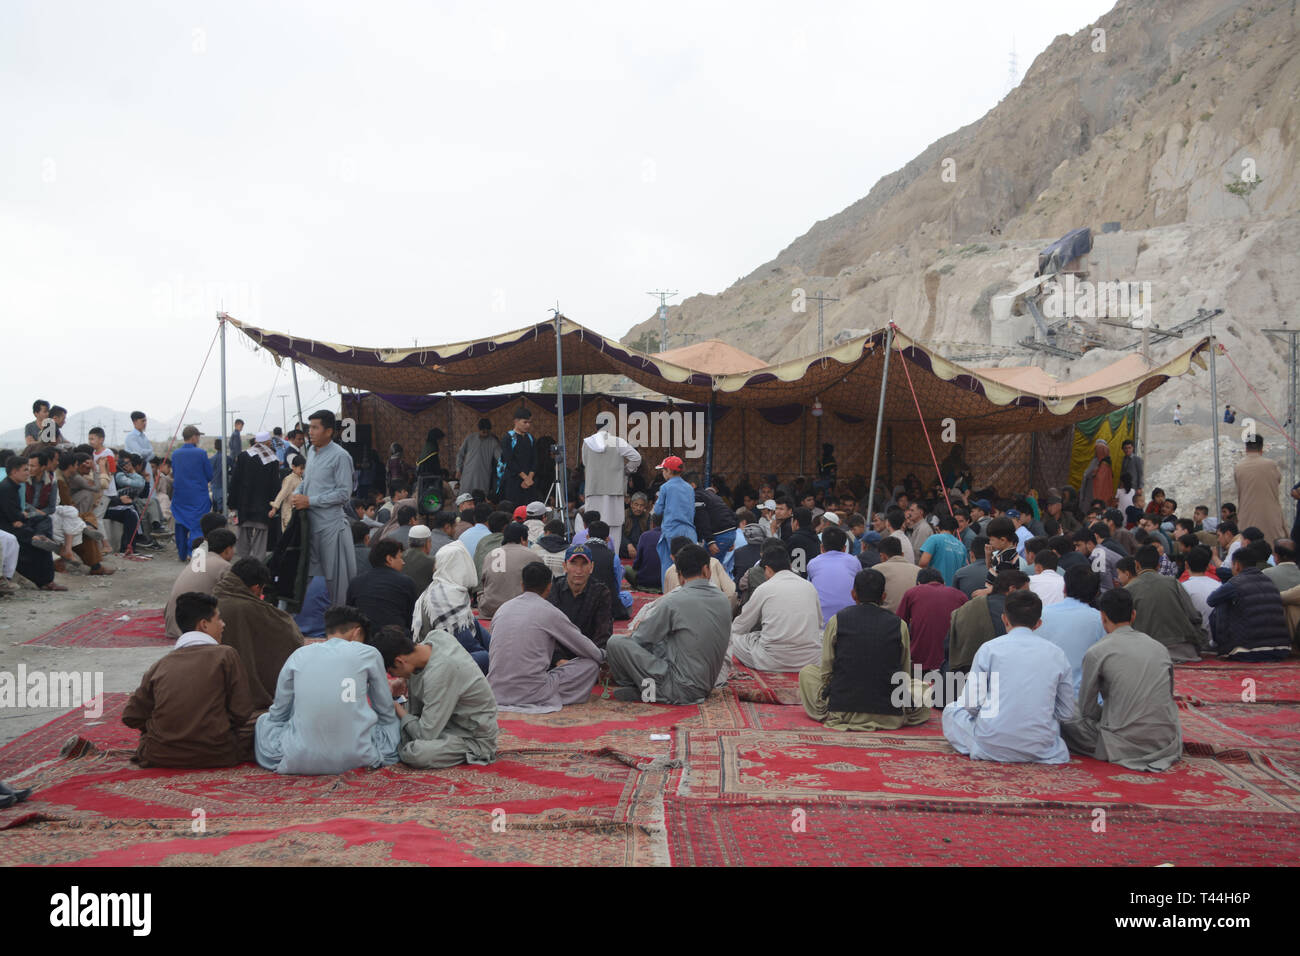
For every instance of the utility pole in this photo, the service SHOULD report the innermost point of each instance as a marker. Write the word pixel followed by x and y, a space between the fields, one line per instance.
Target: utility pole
pixel 1214 421
pixel 1291 399
pixel 663 317
pixel 1146 357
pixel 821 299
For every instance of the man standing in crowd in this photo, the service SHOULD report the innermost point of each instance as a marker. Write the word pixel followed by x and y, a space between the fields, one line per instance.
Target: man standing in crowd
pixel 191 475
pixel 1259 482
pixel 675 505
pixel 255 482
pixel 138 443
pixel 607 460
pixel 237 439
pixel 518 464
pixel 324 493
pixel 476 461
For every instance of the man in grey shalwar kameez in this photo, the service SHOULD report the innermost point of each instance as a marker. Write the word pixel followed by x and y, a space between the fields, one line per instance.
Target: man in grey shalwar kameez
pixel 476 462
pixel 325 490
pixel 681 645
pixel 526 630
pixel 1137 726
pixel 452 715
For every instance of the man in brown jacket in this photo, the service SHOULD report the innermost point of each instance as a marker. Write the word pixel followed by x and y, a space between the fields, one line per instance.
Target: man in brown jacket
pixel 1259 482
pixel 192 707
pixel 260 633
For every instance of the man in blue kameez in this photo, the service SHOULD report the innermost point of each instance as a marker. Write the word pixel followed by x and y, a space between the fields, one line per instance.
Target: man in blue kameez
pixel 325 490
pixel 333 708
pixel 191 473
pixel 676 503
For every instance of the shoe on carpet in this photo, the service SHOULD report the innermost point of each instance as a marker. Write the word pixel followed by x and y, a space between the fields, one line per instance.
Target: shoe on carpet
pixel 101 571
pixel 627 694
pixel 6 801
pixel 77 746
pixel 18 795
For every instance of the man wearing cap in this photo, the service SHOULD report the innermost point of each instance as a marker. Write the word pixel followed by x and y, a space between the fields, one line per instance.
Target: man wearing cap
pixel 464 515
pixel 535 521
pixel 476 461
pixel 675 504
pixel 518 464
pixel 417 559
pixel 980 514
pixel 1069 523
pixel 502 567
pixel 766 510
pixel 607 460
pixel 191 473
pixel 584 601
pixel 255 482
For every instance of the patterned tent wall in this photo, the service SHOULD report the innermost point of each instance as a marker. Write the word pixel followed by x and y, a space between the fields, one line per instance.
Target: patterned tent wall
pixel 746 441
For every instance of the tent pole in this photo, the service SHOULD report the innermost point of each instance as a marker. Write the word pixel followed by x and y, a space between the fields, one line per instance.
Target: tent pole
pixel 1214 422
pixel 221 455
pixel 880 421
pixel 563 475
pixel 708 440
pixel 297 397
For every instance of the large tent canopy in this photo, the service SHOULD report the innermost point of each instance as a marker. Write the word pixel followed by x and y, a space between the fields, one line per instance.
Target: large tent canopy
pixel 845 378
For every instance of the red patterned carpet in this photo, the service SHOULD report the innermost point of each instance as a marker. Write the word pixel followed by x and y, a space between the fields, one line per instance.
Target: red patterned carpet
pixel 109 627
pixel 1220 682
pixel 740 780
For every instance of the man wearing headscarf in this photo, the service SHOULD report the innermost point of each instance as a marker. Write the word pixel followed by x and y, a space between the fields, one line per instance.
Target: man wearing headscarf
pixel 1099 477
pixel 255 483
pixel 444 605
pixel 607 460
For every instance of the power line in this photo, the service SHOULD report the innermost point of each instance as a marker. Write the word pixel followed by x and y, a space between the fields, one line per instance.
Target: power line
pixel 663 317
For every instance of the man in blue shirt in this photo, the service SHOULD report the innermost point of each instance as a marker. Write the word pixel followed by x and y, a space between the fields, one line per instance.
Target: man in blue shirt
pixel 137 442
pixel 943 551
pixel 1017 692
pixel 676 504
pixel 1073 624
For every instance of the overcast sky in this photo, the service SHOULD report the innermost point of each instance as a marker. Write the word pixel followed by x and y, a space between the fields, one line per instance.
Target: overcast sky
pixel 379 173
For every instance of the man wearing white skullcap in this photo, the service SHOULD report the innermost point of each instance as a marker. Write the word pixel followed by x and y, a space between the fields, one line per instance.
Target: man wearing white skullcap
pixel 255 484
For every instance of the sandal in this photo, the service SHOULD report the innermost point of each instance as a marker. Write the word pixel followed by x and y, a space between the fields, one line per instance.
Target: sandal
pixel 53 587
pixel 46 544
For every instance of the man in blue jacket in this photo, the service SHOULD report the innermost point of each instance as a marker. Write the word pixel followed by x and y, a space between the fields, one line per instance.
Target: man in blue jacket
pixel 676 504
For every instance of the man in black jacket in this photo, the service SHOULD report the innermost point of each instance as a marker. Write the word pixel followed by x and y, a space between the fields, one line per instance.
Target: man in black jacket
pixel 253 486
pixel 715 522
pixel 584 601
pixel 35 546
pixel 519 461
pixel 605 567
pixel 384 594
pixel 803 544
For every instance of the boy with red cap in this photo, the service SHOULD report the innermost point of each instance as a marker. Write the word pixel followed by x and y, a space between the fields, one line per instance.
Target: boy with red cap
pixel 676 504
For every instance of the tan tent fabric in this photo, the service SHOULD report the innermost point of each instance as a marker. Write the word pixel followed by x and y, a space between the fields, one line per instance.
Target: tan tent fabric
pixel 846 378
pixel 713 356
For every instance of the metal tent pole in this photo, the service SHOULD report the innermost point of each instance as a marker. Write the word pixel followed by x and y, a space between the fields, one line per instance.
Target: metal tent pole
pixel 297 397
pixel 221 455
pixel 1214 422
pixel 708 439
pixel 880 421
pixel 563 476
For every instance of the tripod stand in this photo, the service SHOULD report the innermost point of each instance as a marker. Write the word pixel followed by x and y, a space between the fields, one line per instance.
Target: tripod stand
pixel 556 494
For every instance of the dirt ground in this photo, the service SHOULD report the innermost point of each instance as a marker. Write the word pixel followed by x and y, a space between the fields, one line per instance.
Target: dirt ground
pixel 30 613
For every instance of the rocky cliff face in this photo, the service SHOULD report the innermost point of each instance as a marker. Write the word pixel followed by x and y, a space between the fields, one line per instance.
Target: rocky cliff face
pixel 1179 123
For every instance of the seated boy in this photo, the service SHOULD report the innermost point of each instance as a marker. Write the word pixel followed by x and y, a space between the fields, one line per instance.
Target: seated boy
pixel 451 717
pixel 192 707
pixel 333 710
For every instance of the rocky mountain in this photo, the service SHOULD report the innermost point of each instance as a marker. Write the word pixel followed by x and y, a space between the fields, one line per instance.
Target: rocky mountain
pixel 1176 119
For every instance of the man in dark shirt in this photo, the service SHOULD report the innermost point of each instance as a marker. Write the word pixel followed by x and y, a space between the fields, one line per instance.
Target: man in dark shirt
pixel 584 601
pixel 35 545
pixel 606 568
pixel 384 594
pixel 803 544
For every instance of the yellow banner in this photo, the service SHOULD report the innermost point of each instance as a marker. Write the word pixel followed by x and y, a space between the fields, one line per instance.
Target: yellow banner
pixel 1114 429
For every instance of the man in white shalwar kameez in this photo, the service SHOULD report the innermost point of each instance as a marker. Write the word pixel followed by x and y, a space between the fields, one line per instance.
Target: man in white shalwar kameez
pixel 325 490
pixel 780 627
pixel 333 709
pixel 607 460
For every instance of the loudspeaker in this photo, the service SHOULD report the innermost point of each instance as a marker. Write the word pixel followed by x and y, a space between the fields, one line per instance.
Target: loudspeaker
pixel 428 495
